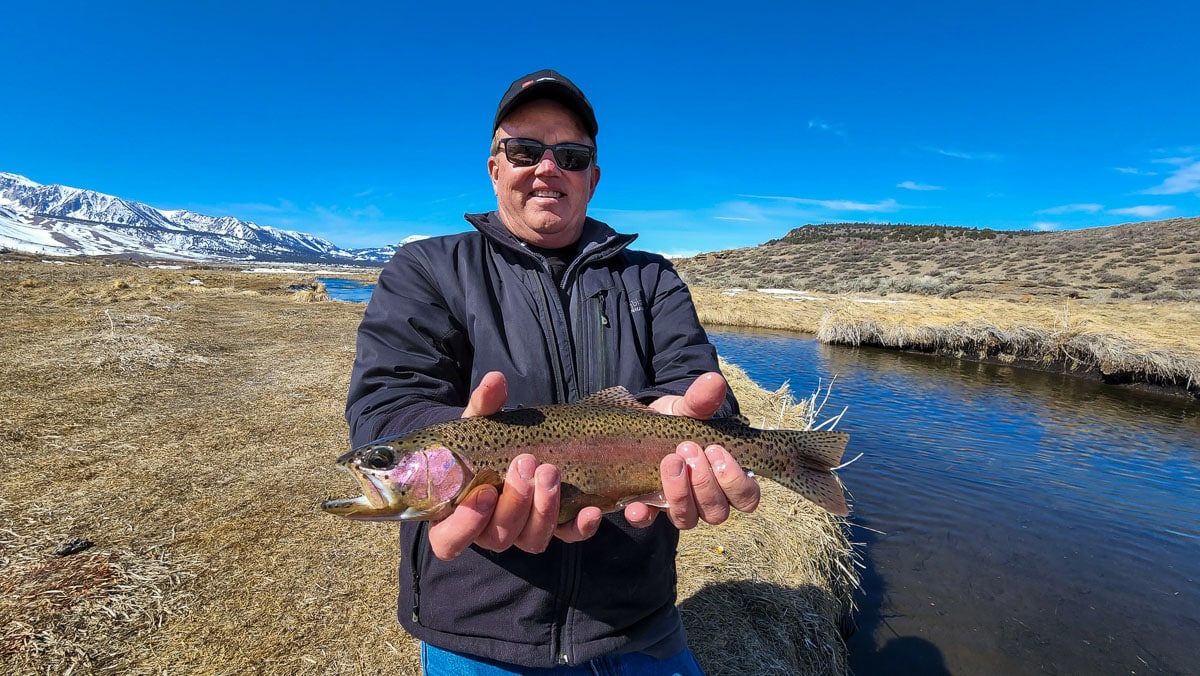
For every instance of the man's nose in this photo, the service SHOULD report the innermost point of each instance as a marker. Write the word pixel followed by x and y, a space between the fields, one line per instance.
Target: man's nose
pixel 547 164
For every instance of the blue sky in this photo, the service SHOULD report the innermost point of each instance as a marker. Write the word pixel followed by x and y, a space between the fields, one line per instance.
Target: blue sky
pixel 721 124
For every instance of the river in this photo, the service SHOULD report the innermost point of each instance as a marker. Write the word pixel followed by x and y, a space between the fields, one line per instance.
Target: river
pixel 1010 521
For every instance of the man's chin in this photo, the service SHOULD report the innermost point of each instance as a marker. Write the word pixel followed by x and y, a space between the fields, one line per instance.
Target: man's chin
pixel 550 231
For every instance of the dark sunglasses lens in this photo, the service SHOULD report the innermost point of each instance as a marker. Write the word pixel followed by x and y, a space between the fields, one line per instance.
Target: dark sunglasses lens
pixel 573 158
pixel 523 152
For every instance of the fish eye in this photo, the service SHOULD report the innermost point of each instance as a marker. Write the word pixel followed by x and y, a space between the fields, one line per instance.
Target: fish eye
pixel 380 457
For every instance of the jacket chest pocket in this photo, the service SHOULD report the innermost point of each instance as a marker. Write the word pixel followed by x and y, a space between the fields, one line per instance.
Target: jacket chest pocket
pixel 595 327
pixel 612 323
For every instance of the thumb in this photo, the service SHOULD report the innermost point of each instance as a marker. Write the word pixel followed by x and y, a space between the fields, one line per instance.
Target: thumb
pixel 489 396
pixel 703 397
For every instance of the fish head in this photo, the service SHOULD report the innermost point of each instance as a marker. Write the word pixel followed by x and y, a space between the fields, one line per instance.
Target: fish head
pixel 402 481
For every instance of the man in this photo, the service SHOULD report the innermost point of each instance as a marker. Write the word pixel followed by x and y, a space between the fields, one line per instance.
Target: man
pixel 541 305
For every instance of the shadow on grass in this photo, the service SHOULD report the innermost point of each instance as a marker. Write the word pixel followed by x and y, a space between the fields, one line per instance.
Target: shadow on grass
pixel 746 627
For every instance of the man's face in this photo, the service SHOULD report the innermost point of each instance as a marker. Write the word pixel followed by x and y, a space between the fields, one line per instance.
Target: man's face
pixel 543 204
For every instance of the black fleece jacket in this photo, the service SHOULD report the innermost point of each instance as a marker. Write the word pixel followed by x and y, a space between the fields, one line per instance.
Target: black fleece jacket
pixel 446 311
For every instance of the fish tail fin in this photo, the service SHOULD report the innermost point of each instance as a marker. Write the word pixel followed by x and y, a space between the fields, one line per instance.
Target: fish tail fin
pixel 803 460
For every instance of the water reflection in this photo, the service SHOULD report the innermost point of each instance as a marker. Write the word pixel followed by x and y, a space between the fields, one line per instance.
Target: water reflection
pixel 1018 521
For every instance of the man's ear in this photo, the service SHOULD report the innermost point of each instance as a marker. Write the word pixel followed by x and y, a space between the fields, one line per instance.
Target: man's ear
pixel 595 180
pixel 493 168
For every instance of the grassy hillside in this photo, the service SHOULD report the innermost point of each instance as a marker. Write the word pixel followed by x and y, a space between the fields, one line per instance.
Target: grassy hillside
pixel 1152 261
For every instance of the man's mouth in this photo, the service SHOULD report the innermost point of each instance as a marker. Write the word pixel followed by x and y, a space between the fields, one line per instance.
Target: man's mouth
pixel 554 194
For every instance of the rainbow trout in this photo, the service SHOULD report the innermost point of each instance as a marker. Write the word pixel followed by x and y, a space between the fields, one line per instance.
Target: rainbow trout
pixel 607 448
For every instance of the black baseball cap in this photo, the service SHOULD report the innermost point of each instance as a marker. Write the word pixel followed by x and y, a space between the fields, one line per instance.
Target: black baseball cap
pixel 547 84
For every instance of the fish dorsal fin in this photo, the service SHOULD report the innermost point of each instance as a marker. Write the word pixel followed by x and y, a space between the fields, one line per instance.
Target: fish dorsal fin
pixel 618 397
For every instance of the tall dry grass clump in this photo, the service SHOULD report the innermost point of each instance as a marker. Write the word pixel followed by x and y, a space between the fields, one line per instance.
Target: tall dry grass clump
pixel 1119 347
pixel 769 592
pixel 1125 342
pixel 184 423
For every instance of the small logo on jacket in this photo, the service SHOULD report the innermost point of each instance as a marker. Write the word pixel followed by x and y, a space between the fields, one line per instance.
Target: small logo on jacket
pixel 635 304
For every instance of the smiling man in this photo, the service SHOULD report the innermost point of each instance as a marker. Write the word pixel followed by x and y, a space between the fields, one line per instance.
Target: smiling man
pixel 541 304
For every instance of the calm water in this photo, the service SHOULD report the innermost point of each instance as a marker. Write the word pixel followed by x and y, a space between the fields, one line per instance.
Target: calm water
pixel 1013 522
pixel 347 289
pixel 1010 521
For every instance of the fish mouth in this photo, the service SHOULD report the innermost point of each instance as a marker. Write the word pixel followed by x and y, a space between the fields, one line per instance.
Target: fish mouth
pixel 376 502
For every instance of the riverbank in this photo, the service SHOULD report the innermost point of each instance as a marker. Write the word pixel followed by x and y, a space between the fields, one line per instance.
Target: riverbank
pixel 183 422
pixel 1155 344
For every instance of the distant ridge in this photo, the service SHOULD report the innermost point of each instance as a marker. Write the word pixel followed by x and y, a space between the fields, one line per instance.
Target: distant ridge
pixel 65 221
pixel 1158 260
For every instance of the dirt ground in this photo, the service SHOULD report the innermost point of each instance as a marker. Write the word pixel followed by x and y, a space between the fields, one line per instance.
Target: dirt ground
pixel 184 422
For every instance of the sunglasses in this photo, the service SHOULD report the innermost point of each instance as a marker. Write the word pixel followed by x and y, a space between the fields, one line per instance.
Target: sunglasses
pixel 524 152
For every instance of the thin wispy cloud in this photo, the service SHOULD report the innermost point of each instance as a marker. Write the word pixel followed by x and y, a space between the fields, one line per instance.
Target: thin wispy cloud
pixel 822 125
pixel 364 193
pixel 960 154
pixel 1185 179
pixel 913 185
pixel 1072 209
pixel 1135 171
pixel 1045 226
pixel 680 232
pixel 834 205
pixel 1143 211
pixel 262 213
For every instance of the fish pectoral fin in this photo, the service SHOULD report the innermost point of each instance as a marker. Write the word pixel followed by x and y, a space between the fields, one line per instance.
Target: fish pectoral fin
pixel 655 499
pixel 484 478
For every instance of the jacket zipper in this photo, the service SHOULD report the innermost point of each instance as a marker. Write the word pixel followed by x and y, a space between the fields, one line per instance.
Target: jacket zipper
pixel 592 357
pixel 418 555
pixel 594 342
pixel 560 637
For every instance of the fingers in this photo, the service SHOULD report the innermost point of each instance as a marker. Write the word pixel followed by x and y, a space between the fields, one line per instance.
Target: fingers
pixel 641 515
pixel 543 520
pixel 512 510
pixel 741 491
pixel 584 526
pixel 676 470
pixel 704 485
pixel 489 396
pixel 450 536
pixel 527 510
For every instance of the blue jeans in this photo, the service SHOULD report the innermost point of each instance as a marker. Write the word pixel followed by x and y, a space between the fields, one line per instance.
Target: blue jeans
pixel 438 662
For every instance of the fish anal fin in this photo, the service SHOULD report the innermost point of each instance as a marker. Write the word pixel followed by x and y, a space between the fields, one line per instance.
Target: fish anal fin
pixel 572 499
pixel 618 397
pixel 655 499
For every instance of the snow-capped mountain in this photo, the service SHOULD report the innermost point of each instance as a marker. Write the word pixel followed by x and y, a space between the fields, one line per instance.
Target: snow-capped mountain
pixel 59 220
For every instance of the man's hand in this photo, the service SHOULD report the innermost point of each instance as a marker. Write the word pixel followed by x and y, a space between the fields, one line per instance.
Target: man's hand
pixel 698 483
pixel 524 514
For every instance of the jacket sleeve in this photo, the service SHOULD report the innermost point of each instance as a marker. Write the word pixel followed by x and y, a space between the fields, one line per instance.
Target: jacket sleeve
pixel 411 367
pixel 680 348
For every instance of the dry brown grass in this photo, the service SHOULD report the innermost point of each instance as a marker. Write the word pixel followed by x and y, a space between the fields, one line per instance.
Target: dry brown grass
pixel 1123 342
pixel 188 431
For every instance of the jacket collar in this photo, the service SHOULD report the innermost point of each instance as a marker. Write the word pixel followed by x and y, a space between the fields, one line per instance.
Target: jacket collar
pixel 597 236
